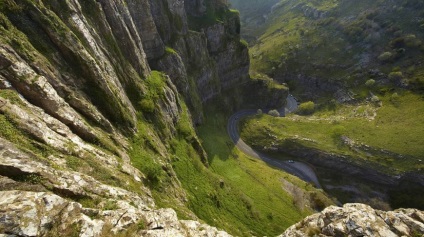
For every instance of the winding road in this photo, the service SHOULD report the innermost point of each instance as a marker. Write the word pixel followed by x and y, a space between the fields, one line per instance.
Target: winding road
pixel 299 169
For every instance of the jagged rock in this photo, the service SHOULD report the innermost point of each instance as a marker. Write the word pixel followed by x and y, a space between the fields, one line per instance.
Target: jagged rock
pixel 359 220
pixel 39 213
pixel 15 163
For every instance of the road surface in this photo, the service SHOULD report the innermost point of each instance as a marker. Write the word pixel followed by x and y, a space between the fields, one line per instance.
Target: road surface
pixel 297 168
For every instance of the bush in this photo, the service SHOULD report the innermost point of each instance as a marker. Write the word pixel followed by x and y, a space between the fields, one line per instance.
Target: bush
pixel 306 108
pixel 274 113
pixel 370 83
pixel 147 105
pixel 259 112
pixel 153 172
pixel 395 76
pixel 385 57
pixel 394 98
pixel 412 41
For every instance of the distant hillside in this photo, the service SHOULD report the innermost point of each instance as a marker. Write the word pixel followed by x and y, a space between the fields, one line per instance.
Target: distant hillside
pixel 326 45
pixel 356 68
pixel 253 15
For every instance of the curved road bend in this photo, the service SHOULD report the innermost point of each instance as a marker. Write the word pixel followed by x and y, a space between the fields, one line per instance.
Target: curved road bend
pixel 299 169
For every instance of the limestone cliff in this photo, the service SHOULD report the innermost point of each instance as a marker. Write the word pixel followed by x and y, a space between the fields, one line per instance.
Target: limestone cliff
pixel 79 101
pixel 359 220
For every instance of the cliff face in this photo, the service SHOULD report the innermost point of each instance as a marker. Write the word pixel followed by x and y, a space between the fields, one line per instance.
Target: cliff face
pixel 359 220
pixel 77 89
pixel 203 57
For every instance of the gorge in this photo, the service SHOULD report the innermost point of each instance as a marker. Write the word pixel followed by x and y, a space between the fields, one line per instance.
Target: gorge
pixel 113 118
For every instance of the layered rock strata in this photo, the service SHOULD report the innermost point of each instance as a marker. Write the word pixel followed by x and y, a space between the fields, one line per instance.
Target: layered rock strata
pixel 77 85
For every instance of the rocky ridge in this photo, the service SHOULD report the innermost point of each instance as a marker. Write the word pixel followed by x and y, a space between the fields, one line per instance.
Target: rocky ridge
pixel 359 220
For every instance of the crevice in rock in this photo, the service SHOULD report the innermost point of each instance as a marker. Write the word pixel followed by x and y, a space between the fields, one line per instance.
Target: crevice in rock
pixel 120 217
pixel 17 174
pixel 69 194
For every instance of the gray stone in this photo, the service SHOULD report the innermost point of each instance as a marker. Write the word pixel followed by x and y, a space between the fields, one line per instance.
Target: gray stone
pixel 356 219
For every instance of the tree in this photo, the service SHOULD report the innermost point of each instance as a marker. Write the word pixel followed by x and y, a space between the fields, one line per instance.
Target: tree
pixel 385 57
pixel 306 108
pixel 396 76
pixel 370 83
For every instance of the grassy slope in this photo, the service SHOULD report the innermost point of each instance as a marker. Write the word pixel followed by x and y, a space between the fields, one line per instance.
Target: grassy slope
pixel 250 201
pixel 398 128
pixel 347 34
pixel 236 193
pixel 335 47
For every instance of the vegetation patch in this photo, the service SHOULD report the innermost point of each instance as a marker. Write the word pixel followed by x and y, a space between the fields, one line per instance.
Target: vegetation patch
pixel 154 91
pixel 387 138
pixel 246 192
pixel 144 157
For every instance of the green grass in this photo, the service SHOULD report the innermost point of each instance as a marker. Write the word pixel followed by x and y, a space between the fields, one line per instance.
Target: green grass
pixel 154 91
pixel 143 154
pixel 251 200
pixel 241 195
pixel 170 50
pixel 397 128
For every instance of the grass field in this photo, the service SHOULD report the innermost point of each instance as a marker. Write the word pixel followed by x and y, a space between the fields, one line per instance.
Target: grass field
pixel 396 127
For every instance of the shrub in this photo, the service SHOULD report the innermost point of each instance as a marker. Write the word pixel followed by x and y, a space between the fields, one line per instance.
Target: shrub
pixel 259 112
pixel 153 172
pixel 385 57
pixel 306 108
pixel 394 98
pixel 412 41
pixel 184 129
pixel 147 105
pixel 274 113
pixel 370 83
pixel 154 85
pixel 395 76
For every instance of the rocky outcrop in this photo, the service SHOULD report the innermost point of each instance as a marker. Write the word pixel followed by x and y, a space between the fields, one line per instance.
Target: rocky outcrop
pixel 77 87
pixel 312 87
pixel 265 94
pixel 40 214
pixel 359 220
